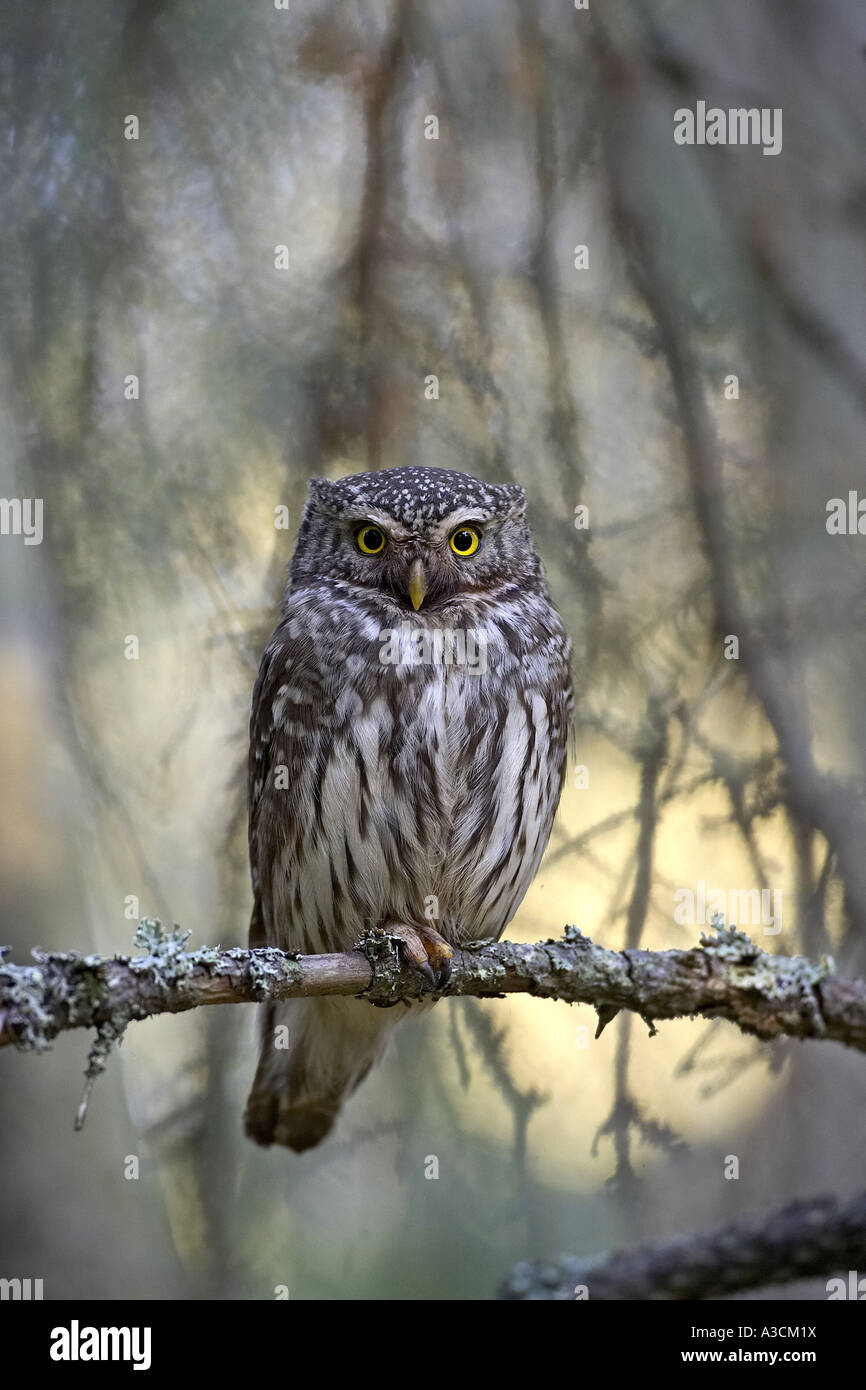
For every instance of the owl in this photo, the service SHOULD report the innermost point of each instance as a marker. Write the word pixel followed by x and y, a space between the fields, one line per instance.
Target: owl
pixel 408 742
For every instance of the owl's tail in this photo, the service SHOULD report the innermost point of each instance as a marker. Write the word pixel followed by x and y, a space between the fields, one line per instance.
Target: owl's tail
pixel 314 1053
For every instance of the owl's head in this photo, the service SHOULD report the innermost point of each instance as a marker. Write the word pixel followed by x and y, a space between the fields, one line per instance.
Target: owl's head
pixel 419 536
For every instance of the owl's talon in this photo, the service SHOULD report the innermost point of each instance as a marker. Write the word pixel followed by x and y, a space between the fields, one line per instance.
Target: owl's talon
pixel 427 972
pixel 444 974
pixel 412 950
pixel 439 955
pixel 425 950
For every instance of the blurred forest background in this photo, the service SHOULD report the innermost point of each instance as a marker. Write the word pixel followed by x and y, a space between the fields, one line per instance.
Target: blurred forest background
pixel 603 387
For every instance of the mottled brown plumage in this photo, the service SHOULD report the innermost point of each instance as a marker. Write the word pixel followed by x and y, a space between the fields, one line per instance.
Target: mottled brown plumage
pixel 408 745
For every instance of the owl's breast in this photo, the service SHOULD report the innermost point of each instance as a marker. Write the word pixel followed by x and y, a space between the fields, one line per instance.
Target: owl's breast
pixel 457 783
pixel 431 793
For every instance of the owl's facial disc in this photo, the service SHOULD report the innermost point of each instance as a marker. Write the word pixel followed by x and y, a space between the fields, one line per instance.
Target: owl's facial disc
pixel 418 566
pixel 422 540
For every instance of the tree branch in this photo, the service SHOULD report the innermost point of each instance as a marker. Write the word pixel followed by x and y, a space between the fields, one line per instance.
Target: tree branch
pixel 727 976
pixel 804 1240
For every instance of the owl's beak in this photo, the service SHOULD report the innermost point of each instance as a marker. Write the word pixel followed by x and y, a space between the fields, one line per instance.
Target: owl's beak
pixel 417 583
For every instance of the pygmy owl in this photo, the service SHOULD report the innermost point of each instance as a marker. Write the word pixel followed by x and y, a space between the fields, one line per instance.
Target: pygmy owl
pixel 407 754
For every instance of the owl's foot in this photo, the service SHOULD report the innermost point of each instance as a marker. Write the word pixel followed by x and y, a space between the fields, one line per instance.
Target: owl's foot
pixel 426 950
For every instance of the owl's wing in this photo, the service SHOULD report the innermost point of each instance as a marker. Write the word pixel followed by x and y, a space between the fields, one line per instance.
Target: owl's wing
pixel 287 729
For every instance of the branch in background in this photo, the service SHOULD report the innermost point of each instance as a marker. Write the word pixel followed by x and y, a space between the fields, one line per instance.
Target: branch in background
pixel 805 1240
pixel 727 976
pixel 820 800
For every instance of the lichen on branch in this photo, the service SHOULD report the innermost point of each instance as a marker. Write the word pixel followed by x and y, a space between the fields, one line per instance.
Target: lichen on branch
pixel 725 976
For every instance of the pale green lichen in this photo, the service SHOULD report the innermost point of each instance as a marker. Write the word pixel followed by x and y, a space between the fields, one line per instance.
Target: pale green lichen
pixel 382 950
pixel 22 989
pixel 165 947
pixel 107 1034
pixel 268 966
pixel 573 936
pixel 165 954
pixel 774 978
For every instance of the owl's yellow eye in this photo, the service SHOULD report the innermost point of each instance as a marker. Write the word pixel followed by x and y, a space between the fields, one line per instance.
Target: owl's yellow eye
pixel 371 540
pixel 465 541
